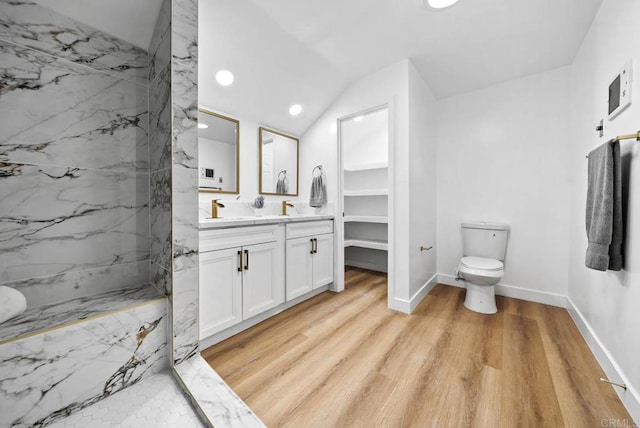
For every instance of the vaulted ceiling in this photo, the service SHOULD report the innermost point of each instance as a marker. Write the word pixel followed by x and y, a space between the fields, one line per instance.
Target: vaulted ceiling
pixel 284 52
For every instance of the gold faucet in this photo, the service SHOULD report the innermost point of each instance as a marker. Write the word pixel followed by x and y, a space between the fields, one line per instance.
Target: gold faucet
pixel 285 204
pixel 214 208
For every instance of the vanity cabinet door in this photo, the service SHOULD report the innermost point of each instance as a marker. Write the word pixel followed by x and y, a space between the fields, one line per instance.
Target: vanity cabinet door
pixel 323 261
pixel 220 291
pixel 299 267
pixel 263 278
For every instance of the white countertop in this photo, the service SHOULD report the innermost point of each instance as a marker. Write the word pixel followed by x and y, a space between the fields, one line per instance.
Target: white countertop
pixel 223 222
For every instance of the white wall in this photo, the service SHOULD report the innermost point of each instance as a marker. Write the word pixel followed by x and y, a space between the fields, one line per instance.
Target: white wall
pixel 423 176
pixel 609 301
pixel 503 153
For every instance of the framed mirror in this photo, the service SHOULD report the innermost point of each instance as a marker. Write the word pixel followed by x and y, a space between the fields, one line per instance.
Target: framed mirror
pixel 218 153
pixel 278 163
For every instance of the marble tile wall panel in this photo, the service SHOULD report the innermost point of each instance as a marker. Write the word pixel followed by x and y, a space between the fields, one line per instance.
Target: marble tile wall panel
pixel 65 286
pixel 160 46
pixel 28 24
pixel 160 151
pixel 160 278
pixel 185 218
pixel 160 212
pixel 58 113
pixel 184 98
pixel 46 377
pixel 98 218
pixel 186 334
pixel 160 120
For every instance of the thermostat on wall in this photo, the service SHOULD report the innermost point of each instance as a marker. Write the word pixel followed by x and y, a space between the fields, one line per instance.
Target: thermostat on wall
pixel 620 91
pixel 207 173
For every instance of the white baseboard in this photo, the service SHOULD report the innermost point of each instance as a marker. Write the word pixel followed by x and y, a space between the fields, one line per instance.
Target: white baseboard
pixel 231 331
pixel 629 397
pixel 408 306
pixel 546 298
pixel 365 265
pixel 450 280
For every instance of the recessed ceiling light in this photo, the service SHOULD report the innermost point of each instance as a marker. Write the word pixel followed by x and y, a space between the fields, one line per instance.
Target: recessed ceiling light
pixel 439 4
pixel 224 77
pixel 295 109
pixel 358 118
pixel 203 126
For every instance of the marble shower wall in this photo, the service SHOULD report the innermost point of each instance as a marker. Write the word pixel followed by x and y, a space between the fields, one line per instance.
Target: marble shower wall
pixel 160 150
pixel 74 157
pixel 184 186
pixel 173 101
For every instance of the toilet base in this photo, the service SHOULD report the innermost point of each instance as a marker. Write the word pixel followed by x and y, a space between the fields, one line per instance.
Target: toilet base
pixel 481 298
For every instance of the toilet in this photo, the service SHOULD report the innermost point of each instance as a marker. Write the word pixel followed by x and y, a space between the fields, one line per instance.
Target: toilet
pixel 484 247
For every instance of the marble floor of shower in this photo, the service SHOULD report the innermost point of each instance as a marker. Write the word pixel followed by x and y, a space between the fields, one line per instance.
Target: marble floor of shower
pixel 155 402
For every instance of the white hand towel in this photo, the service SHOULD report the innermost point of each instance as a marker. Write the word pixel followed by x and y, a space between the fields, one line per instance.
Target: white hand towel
pixel 12 303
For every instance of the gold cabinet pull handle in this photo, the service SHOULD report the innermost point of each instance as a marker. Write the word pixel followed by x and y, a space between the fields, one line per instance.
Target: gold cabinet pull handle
pixel 246 259
pixel 311 240
pixel 239 261
pixel 425 248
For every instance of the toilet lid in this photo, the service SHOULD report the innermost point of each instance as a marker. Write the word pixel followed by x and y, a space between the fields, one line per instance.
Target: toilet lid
pixel 481 263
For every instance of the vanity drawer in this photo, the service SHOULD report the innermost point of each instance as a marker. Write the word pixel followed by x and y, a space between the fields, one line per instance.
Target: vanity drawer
pixel 219 239
pixel 309 228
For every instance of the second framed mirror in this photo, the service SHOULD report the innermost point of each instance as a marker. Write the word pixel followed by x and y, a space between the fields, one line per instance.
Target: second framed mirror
pixel 278 163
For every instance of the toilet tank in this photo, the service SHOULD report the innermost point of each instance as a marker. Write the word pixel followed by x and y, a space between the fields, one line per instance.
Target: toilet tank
pixel 482 239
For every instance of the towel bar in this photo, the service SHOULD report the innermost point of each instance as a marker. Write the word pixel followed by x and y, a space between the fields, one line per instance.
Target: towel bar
pixel 635 136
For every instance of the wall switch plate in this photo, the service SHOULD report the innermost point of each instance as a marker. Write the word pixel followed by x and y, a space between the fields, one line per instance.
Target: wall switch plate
pixel 620 91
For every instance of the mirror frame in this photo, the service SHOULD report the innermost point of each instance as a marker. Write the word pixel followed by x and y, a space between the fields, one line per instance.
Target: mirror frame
pixel 282 134
pixel 237 122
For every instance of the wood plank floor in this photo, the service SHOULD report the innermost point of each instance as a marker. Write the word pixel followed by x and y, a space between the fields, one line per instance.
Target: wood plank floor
pixel 345 360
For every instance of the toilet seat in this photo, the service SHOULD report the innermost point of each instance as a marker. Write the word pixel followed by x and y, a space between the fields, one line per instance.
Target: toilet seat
pixel 481 263
pixel 481 266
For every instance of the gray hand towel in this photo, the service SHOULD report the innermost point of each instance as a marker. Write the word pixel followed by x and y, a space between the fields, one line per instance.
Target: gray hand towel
pixel 281 186
pixel 318 192
pixel 604 208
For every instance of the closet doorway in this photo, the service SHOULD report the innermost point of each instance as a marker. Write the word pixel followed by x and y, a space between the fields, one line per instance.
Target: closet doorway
pixel 366 189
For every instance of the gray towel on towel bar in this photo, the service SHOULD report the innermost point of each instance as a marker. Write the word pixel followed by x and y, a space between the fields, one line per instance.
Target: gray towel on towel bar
pixel 318 192
pixel 281 186
pixel 604 208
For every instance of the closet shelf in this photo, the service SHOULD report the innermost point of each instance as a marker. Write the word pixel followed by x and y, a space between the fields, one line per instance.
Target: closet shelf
pixel 373 244
pixel 366 219
pixel 366 166
pixel 367 192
